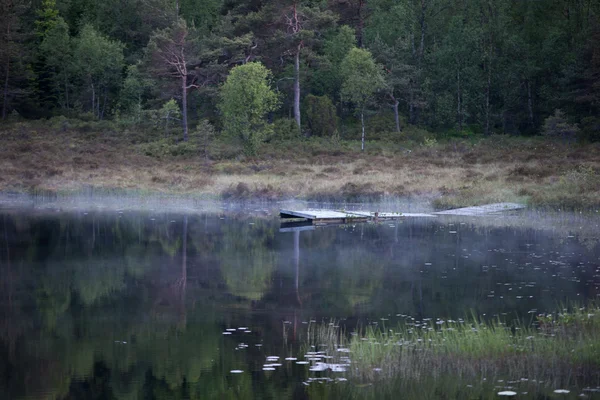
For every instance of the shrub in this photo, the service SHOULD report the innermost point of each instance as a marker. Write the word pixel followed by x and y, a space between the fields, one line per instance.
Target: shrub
pixel 590 129
pixel 60 123
pixel 416 134
pixel 430 142
pixel 167 148
pixel 466 132
pixel 285 129
pixel 204 135
pixel 556 125
pixel 321 115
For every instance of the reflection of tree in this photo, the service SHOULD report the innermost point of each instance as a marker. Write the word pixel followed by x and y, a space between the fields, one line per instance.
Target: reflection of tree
pixel 84 301
pixel 338 277
pixel 359 275
pixel 73 289
pixel 248 259
pixel 170 293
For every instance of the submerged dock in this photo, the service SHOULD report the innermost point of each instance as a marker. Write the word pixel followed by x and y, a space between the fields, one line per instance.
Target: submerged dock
pixel 323 217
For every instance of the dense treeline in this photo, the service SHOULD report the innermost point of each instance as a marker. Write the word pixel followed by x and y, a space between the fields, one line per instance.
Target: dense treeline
pixel 478 66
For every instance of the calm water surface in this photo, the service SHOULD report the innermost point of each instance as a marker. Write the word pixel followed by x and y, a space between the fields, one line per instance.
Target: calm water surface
pixel 132 305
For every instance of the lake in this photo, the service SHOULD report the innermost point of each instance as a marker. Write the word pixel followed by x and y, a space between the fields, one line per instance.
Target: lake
pixel 126 304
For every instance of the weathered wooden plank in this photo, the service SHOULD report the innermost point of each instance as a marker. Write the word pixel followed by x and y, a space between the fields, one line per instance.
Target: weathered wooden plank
pixel 377 215
pixel 487 209
pixel 418 215
pixel 322 217
pixel 317 214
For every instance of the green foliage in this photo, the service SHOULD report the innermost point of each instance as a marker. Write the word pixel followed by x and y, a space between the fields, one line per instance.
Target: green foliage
pixel 590 129
pixel 169 112
pixel 245 99
pixel 553 346
pixel 47 18
pixel 285 129
pixel 131 98
pixel 339 45
pixel 495 67
pixel 556 125
pixel 57 51
pixel 327 79
pixel 430 142
pixel 168 147
pixel 204 134
pixel 362 77
pixel 247 261
pixel 99 63
pixel 202 14
pixel 321 115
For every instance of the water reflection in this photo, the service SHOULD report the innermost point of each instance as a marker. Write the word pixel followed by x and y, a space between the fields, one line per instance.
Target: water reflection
pixel 134 305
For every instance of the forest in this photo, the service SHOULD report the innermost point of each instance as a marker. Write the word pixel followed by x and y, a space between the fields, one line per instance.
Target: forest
pixel 452 101
pixel 306 67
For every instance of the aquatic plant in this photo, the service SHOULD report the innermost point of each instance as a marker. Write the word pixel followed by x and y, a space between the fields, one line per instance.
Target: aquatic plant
pixel 561 349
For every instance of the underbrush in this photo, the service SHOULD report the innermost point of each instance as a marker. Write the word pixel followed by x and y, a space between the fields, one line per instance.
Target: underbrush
pixel 69 153
pixel 576 189
pixel 169 148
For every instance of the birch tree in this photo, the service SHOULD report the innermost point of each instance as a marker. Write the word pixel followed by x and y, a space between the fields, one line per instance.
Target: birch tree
pixel 362 79
pixel 99 62
pixel 246 98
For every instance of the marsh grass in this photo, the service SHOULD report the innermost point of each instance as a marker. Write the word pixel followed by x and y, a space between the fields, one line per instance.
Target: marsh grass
pixel 555 350
pixel 453 172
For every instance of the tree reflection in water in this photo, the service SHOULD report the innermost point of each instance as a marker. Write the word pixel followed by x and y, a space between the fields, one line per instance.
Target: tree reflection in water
pixel 110 305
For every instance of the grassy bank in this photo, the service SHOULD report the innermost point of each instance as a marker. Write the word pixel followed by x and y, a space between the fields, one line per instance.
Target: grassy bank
pixel 50 157
pixel 556 350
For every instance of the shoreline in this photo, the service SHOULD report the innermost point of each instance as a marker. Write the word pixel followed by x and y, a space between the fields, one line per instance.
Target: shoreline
pixel 552 174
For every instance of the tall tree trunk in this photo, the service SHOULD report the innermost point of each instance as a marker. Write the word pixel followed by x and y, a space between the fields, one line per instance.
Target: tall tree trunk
pixel 362 122
pixel 396 114
pixel 361 24
pixel 66 89
pixel 5 92
pixel 423 29
pixel 101 113
pixel 297 89
pixel 168 119
pixel 411 104
pixel 418 58
pixel 458 100
pixel 93 100
pixel 487 98
pixel 530 105
pixel 490 53
pixel 6 78
pixel 184 107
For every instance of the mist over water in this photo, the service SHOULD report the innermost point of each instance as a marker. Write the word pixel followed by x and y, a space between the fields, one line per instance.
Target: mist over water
pixel 149 304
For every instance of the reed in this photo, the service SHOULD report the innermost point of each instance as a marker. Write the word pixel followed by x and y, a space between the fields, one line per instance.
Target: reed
pixel 558 349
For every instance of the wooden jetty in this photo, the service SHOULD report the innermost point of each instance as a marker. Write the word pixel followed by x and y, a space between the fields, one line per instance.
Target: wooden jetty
pixel 323 217
pixel 487 209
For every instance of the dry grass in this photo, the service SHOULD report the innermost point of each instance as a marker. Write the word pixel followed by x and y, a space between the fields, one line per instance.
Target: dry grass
pixel 458 173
